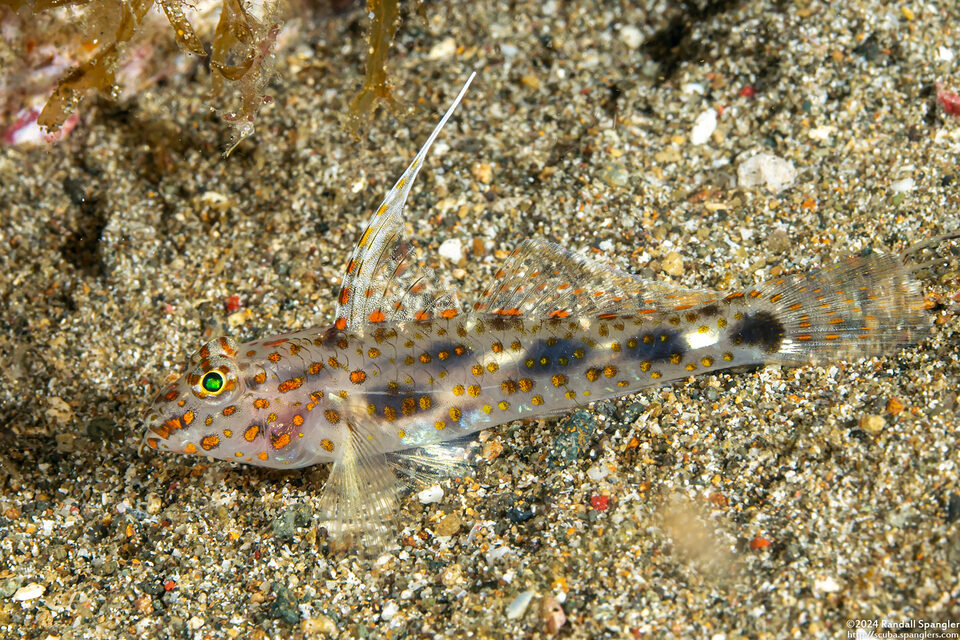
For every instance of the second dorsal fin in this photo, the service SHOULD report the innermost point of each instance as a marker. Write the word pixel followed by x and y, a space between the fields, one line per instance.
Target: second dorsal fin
pixel 542 279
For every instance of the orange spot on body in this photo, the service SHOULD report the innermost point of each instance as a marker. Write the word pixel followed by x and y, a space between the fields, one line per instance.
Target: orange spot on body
pixel 358 376
pixel 290 385
pixel 210 442
pixel 376 316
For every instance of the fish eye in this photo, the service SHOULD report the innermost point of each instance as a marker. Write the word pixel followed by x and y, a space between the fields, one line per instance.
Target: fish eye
pixel 212 382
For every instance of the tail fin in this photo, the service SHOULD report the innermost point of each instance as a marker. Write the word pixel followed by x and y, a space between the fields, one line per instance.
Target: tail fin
pixel 857 308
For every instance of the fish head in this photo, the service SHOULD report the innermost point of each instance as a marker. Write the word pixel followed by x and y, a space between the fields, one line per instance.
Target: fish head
pixel 188 415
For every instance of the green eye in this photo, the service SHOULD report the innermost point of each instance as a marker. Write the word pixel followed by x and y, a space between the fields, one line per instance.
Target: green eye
pixel 212 382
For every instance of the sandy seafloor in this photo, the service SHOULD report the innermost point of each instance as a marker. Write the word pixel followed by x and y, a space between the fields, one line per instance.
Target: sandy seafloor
pixel 768 503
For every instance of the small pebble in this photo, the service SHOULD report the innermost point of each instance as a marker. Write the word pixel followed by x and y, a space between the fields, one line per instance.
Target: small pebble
pixel 430 495
pixel 59 411
pixel 895 407
pixel 518 606
pixel 31 591
pixel 903 186
pixel 778 241
pixel 598 472
pixel 631 36
pixel 872 424
pixel 448 525
pixel 320 624
pixel 389 610
pixel 492 450
pixel 704 127
pixel 482 172
pixel 766 169
pixel 451 249
pixel 672 264
pixel 443 49
pixel 553 616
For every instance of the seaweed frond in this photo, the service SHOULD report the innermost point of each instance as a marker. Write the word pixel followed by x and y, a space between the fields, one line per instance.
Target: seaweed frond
pixel 240 53
pixel 376 87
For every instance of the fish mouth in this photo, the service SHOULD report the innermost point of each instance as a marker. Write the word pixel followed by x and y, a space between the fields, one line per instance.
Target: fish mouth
pixel 153 430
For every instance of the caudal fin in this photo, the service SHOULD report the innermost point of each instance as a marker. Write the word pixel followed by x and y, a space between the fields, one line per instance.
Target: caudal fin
pixel 860 307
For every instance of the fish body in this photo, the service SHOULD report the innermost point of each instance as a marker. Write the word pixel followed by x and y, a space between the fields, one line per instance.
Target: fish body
pixel 290 400
pixel 405 367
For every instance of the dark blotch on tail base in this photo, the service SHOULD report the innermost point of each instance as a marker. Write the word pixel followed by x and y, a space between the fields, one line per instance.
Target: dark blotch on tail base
pixel 761 329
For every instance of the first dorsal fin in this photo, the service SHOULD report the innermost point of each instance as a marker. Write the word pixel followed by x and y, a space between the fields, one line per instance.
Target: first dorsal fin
pixel 383 281
pixel 542 279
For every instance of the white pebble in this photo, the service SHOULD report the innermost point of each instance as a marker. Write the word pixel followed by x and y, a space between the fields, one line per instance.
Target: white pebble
pixel 945 54
pixel 826 585
pixel 389 610
pixel 443 49
pixel 519 605
pixel 30 592
pixel 631 37
pixel 902 186
pixel 431 494
pixel 598 472
pixel 451 249
pixel 822 133
pixel 496 553
pixel 766 169
pixel 704 127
